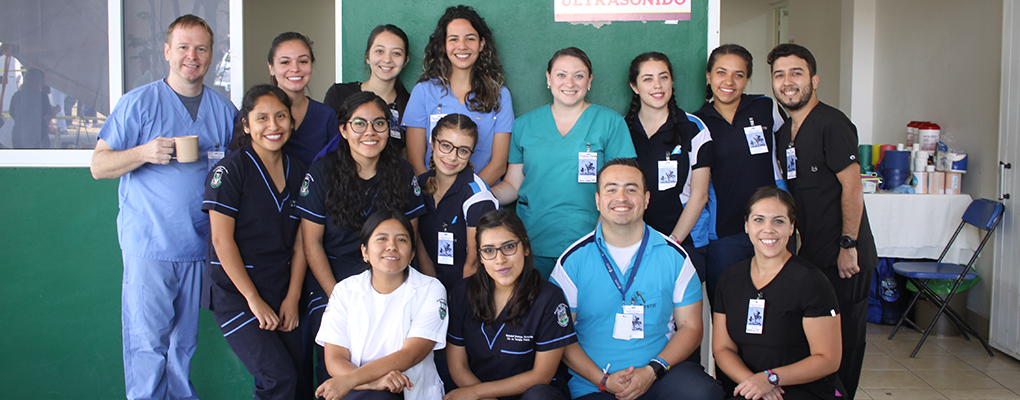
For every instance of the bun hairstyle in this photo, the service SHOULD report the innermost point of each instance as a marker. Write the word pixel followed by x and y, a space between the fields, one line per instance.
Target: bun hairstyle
pixel 286 37
pixel 570 52
pixel 398 84
pixel 481 287
pixel 487 76
pixel 676 115
pixel 346 199
pixel 251 98
pixel 727 49
pixel 460 122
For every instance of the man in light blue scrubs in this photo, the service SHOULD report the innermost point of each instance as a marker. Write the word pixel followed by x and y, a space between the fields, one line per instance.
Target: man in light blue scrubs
pixel 161 226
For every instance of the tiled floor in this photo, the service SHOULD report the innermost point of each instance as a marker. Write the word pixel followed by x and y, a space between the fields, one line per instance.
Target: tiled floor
pixel 945 368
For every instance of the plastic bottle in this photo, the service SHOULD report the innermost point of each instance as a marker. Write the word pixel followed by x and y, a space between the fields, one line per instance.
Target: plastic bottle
pixel 929 134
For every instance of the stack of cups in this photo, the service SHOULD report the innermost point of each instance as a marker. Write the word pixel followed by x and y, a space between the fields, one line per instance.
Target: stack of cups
pixel 918 164
pixel 864 157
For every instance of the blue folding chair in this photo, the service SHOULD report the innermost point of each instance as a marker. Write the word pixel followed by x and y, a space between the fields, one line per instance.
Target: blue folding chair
pixel 981 213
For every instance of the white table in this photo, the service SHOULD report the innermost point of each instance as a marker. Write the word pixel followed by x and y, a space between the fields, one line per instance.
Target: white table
pixel 920 225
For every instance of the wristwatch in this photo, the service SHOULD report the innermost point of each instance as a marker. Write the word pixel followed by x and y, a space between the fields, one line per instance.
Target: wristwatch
pixel 846 242
pixel 773 378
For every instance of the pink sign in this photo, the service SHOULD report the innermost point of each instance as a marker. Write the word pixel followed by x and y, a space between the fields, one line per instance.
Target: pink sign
pixel 622 10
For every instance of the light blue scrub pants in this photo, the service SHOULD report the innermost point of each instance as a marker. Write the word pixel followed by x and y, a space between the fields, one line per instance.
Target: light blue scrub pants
pixel 159 317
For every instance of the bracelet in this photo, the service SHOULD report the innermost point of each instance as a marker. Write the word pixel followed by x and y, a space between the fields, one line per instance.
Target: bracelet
pixel 661 362
pixel 602 384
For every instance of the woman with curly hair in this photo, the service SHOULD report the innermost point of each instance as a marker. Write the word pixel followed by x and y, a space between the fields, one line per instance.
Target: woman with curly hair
pixel 461 74
pixel 341 189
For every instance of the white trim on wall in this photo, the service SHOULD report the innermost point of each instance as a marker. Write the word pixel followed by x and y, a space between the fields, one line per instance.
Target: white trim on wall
pixel 236 52
pixel 714 23
pixel 338 23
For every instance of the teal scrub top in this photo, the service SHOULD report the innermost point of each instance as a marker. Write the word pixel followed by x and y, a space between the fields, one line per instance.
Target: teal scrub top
pixel 556 209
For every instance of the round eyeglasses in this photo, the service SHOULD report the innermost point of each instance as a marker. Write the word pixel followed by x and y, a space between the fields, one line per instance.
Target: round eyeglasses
pixel 463 152
pixel 508 249
pixel 379 125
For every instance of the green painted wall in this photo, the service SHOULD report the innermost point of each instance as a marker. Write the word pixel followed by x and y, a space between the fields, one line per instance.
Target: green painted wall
pixel 526 37
pixel 60 294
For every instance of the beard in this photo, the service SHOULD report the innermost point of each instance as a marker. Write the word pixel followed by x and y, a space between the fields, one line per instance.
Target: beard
pixel 797 104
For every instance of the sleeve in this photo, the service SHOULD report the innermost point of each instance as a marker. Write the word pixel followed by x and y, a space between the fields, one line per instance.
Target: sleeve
pixel 516 154
pixel 687 288
pixel 333 329
pixel 481 203
pixel 121 128
pixel 819 298
pixel 416 114
pixel 702 146
pixel 332 125
pixel 311 199
pixel 430 320
pixel 560 278
pixel 555 327
pixel 618 141
pixel 505 116
pixel 458 314
pixel 778 118
pixel 839 141
pixel 415 202
pixel 719 303
pixel 332 98
pixel 224 188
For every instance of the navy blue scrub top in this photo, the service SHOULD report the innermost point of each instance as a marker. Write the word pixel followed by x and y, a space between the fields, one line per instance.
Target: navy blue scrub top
pixel 265 226
pixel 461 207
pixel 498 351
pixel 736 173
pixel 665 207
pixel 342 245
pixel 318 127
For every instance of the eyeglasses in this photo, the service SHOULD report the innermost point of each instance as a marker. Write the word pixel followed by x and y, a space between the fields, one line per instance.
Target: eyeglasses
pixel 463 152
pixel 379 125
pixel 508 249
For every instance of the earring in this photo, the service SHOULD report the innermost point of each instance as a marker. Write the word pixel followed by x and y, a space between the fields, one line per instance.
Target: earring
pixel 547 86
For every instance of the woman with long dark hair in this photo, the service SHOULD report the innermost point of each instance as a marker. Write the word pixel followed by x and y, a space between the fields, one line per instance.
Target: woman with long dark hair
pixel 743 135
pixel 290 68
pixel 675 153
pixel 382 324
pixel 255 267
pixel 461 74
pixel 386 55
pixel 555 153
pixel 508 326
pixel 341 189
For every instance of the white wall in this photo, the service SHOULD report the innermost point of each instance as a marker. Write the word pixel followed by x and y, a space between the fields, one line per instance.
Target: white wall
pixel 313 18
pixel 749 24
pixel 940 60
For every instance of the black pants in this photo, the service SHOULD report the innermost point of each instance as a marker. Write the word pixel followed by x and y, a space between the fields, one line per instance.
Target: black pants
pixel 272 357
pixel 852 295
pixel 686 380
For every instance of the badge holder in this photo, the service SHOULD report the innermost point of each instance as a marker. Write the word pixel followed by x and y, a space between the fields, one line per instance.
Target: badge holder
pixel 755 315
pixel 445 245
pixel 668 171
pixel 214 156
pixel 756 138
pixel 791 162
pixel 587 166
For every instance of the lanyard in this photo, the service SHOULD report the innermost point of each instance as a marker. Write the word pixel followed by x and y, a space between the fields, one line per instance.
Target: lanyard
pixel 632 270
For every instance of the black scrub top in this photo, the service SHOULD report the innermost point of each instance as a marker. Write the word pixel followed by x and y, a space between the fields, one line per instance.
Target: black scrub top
pixel 318 128
pixel 737 173
pixel 665 207
pixel 265 226
pixel 467 200
pixel 826 144
pixel 798 291
pixel 498 351
pixel 342 245
pixel 339 92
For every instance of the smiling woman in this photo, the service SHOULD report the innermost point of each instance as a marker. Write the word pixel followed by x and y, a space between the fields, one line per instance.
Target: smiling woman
pixel 290 68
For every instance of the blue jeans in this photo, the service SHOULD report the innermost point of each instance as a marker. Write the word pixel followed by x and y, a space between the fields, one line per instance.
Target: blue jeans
pixel 159 318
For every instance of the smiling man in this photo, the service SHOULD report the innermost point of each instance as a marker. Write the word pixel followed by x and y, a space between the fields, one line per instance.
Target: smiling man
pixel 823 174
pixel 628 287
pixel 161 226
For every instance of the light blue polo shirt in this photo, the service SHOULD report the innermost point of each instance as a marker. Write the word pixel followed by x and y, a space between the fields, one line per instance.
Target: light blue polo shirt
pixel 665 278
pixel 432 97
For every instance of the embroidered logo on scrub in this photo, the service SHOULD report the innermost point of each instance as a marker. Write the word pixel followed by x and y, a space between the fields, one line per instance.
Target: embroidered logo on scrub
pixel 217 176
pixel 304 185
pixel 561 315
pixel 442 308
pixel 417 189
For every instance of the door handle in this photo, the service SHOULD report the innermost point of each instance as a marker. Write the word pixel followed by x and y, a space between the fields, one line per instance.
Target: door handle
pixel 1003 166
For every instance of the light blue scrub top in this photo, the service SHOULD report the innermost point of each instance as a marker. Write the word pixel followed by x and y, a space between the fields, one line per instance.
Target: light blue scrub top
pixel 161 214
pixel 432 97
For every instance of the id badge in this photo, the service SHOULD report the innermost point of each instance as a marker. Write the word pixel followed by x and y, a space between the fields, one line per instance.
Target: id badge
pixel 445 250
pixel 433 120
pixel 755 316
pixel 395 128
pixel 637 321
pixel 215 157
pixel 667 174
pixel 756 140
pixel 587 166
pixel 622 327
pixel 791 163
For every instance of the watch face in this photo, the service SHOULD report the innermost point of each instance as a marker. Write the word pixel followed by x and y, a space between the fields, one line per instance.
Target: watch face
pixel 774 379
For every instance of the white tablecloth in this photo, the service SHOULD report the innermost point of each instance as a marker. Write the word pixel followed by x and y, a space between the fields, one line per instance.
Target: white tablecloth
pixel 920 225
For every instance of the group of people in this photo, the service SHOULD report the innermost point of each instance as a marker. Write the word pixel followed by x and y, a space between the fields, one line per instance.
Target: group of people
pixel 357 248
